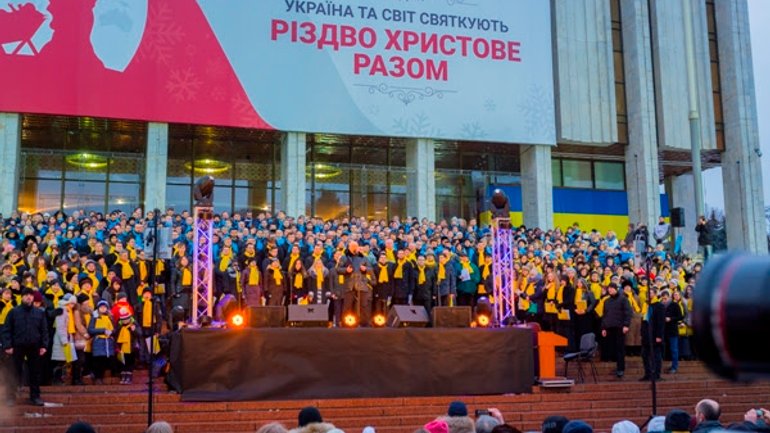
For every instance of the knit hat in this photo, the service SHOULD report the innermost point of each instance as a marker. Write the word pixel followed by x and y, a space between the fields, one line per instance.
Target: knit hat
pixel 554 424
pixel 27 291
pixel 436 426
pixel 69 298
pixel 82 298
pixel 625 426
pixel 577 426
pixel 124 313
pixel 457 408
pixel 309 415
pixel 85 281
pixel 657 424
pixel 105 303
pixel 677 420
pixel 80 427
pixel 36 296
pixel 53 274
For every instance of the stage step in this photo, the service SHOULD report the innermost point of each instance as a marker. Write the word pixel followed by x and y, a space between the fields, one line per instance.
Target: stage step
pixel 122 408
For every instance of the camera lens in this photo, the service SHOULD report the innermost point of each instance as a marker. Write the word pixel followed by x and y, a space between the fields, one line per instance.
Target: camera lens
pixel 731 308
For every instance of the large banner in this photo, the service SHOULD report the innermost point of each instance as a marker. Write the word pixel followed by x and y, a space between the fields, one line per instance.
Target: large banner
pixel 444 69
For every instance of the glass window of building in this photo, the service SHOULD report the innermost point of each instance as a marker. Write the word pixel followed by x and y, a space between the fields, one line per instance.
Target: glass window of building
pixel 576 173
pixel 81 163
pixel 609 175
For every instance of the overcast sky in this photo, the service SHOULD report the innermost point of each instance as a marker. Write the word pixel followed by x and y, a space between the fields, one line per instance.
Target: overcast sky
pixel 759 17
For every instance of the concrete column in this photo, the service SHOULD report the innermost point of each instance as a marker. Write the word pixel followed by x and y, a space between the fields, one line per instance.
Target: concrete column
pixel 421 179
pixel 681 193
pixel 537 186
pixel 642 173
pixel 156 167
pixel 741 165
pixel 293 173
pixel 10 155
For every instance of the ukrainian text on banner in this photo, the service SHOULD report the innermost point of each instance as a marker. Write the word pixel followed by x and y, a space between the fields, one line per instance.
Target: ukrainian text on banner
pixel 452 69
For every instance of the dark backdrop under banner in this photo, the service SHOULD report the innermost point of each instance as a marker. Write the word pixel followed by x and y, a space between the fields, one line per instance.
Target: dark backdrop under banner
pixel 286 364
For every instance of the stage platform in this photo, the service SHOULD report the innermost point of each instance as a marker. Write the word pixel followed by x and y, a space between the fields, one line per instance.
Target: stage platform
pixel 316 363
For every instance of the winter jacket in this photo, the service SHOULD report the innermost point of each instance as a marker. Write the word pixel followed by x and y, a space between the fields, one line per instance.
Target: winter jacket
pixel 25 326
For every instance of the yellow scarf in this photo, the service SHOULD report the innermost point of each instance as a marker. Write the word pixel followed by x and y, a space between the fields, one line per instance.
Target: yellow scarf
pixel 147 314
pixel 467 267
pixel 564 313
pixel 607 280
pixel 42 274
pixel 319 279
pixel 104 269
pixel 126 270
pixel 253 276
pixel 142 270
pixel 124 339
pixel 442 269
pixel 186 277
pixel 390 256
pixel 277 276
pixel 481 256
pixel 485 272
pixel 298 280
pixel 421 275
pixel 399 274
pixel 293 258
pixel 56 296
pixel 94 280
pixel 7 307
pixel 317 256
pixel 550 298
pixel 103 322
pixel 71 321
pixel 528 289
pixel 580 303
pixel 596 289
pixel 599 309
pixel 383 277
pixel 160 266
pixel 131 253
pixel 224 262
pixel 412 257
pixel 340 277
pixel 634 305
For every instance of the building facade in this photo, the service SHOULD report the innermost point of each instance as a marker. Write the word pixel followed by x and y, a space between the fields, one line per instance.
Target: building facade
pixel 622 127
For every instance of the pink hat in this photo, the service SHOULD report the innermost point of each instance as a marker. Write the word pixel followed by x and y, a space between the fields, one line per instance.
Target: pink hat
pixel 437 426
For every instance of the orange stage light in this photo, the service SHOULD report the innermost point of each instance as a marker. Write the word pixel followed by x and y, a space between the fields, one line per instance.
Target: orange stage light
pixel 350 320
pixel 483 320
pixel 237 320
pixel 379 320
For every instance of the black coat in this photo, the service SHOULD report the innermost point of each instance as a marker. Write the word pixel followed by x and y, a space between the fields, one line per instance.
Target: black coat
pixel 673 316
pixel 657 321
pixel 704 234
pixel 617 312
pixel 25 326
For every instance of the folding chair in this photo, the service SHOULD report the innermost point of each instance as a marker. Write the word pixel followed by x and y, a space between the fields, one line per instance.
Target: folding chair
pixel 588 348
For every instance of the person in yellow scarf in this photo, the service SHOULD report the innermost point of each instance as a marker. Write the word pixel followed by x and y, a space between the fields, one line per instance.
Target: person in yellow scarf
pixel 486 285
pixel 126 331
pixel 274 283
pixel 653 331
pixel 251 282
pixel 297 281
pixel 129 275
pixel 425 284
pixel 101 329
pixel 149 318
pixel 446 279
pixel 403 279
pixel 63 349
pixel 6 305
pixel 181 283
pixel 383 283
pixel 550 309
pixel 82 314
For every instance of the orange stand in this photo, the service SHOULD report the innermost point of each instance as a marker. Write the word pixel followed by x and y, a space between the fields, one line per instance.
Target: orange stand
pixel 546 349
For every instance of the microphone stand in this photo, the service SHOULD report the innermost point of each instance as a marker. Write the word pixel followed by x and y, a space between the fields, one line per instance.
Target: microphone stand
pixel 651 358
pixel 152 283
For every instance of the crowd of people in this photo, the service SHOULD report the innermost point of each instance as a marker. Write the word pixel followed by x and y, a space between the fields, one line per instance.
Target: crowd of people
pixel 705 418
pixel 81 295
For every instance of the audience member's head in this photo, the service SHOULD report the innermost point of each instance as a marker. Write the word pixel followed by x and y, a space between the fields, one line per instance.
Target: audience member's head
pixel 577 426
pixel 160 427
pixel 81 427
pixel 309 415
pixel 436 426
pixel 460 424
pixel 656 424
pixel 273 427
pixel 707 410
pixel 485 424
pixel 625 426
pixel 554 424
pixel 677 420
pixel 505 428
pixel 457 408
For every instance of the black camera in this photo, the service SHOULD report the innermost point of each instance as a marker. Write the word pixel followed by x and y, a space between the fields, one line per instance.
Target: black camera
pixel 480 412
pixel 731 307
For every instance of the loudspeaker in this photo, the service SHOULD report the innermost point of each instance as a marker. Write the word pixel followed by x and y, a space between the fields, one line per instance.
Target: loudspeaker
pixel 677 217
pixel 451 317
pixel 266 317
pixel 305 316
pixel 407 316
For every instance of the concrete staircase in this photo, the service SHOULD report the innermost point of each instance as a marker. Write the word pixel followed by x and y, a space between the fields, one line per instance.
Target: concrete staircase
pixel 114 408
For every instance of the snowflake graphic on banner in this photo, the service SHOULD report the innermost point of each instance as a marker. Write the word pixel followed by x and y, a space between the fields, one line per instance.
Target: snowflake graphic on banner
pixel 472 130
pixel 538 112
pixel 418 125
pixel 183 85
pixel 163 33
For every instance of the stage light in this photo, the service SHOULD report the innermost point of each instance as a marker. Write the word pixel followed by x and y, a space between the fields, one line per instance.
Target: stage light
pixel 379 320
pixel 350 320
pixel 482 320
pixel 237 320
pixel 88 161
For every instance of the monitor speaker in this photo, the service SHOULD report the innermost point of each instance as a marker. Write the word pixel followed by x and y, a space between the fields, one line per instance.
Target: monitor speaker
pixel 677 217
pixel 266 317
pixel 408 316
pixel 451 317
pixel 307 316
